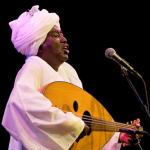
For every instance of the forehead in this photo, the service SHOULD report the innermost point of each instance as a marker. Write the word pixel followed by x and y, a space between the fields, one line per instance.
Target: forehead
pixel 55 29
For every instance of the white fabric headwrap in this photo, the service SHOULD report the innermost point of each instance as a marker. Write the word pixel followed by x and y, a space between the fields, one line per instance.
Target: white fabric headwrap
pixel 30 29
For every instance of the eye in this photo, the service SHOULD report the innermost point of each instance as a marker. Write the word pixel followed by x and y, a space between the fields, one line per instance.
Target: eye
pixel 56 35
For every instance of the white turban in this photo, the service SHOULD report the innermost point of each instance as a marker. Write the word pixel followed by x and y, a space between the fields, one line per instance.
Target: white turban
pixel 30 29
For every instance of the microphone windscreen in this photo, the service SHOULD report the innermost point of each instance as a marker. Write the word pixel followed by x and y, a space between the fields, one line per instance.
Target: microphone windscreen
pixel 109 52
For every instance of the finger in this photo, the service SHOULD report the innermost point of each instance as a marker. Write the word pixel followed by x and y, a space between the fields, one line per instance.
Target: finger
pixel 124 137
pixel 136 122
pixel 125 144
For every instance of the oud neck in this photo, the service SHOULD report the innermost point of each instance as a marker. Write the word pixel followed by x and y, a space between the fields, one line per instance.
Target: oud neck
pixel 102 125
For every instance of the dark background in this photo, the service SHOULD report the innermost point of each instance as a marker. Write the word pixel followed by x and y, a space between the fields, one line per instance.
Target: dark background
pixel 90 27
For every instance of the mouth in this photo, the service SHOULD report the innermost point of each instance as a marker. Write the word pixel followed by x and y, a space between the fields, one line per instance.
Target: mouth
pixel 66 49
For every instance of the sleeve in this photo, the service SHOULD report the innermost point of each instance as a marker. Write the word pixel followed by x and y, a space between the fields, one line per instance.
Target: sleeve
pixel 113 144
pixel 30 118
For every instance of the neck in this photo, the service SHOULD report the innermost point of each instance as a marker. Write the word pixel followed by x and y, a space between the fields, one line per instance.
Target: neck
pixel 53 63
pixel 54 66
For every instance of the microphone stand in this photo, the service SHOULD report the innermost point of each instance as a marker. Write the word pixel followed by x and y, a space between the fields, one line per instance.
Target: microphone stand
pixel 142 105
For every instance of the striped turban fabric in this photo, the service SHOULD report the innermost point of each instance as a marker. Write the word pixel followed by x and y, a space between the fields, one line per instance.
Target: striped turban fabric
pixel 30 29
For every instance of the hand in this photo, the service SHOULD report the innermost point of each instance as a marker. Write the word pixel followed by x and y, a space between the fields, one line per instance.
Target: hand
pixel 85 132
pixel 127 139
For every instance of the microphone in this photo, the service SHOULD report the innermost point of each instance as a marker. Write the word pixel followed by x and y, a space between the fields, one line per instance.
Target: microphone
pixel 111 54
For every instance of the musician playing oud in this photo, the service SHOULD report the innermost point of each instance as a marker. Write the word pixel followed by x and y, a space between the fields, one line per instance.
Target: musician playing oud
pixel 31 119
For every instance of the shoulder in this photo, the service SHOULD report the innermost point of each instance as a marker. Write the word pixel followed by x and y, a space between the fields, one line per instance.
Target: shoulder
pixel 35 62
pixel 31 66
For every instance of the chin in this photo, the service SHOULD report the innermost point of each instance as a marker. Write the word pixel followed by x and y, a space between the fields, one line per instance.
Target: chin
pixel 64 59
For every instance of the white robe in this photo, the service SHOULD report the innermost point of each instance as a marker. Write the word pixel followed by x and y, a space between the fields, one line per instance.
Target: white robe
pixel 30 118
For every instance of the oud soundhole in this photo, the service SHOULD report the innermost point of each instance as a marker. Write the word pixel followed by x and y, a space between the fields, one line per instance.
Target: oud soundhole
pixel 87 119
pixel 75 106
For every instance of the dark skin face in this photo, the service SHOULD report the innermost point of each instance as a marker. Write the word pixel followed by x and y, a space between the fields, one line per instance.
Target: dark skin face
pixel 54 49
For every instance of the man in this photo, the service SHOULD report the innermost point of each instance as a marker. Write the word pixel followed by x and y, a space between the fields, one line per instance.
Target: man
pixel 30 118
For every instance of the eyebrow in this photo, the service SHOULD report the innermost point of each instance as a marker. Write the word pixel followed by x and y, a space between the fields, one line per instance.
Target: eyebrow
pixel 55 31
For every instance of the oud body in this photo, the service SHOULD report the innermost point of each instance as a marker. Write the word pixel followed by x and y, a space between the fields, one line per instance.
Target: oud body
pixel 69 97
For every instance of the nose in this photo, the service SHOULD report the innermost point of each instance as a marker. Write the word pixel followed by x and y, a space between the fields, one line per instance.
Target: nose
pixel 63 39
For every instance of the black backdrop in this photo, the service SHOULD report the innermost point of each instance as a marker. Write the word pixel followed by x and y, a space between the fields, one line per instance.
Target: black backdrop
pixel 90 27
